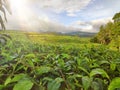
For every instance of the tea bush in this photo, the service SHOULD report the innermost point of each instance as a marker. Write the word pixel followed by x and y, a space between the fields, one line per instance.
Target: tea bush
pixel 35 66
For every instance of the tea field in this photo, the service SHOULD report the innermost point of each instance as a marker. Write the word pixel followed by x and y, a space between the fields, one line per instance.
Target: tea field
pixel 32 61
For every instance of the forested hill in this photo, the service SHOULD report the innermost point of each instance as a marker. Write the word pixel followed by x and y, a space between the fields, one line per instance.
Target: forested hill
pixel 81 34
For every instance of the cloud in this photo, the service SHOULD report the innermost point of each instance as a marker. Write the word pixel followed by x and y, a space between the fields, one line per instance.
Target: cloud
pixel 35 23
pixel 70 7
pixel 36 16
pixel 97 23
pixel 32 20
pixel 91 26
pixel 71 14
pixel 44 23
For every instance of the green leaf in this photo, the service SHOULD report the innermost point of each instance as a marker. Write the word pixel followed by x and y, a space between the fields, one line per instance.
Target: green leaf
pixel 18 77
pixel 95 86
pixel 47 79
pixel 99 71
pixel 61 63
pixel 55 84
pixel 41 70
pixel 75 76
pixel 30 62
pixel 65 55
pixel 24 84
pixel 83 69
pixel 103 62
pixel 86 81
pixel 30 56
pixel 8 80
pixel 115 84
pixel 113 66
pixel 98 83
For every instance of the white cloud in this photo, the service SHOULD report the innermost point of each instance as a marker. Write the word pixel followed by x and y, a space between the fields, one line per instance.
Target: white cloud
pixel 71 14
pixel 36 20
pixel 68 6
pixel 44 23
pixel 91 26
pixel 26 19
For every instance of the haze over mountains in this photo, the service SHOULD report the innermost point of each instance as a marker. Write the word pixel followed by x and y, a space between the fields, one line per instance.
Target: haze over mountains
pixel 75 33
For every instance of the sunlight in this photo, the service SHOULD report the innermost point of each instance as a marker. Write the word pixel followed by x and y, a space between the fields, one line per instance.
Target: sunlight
pixel 22 10
pixel 19 5
pixel 28 20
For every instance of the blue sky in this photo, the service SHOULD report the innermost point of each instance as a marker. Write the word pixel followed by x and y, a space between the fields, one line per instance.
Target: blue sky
pixel 61 15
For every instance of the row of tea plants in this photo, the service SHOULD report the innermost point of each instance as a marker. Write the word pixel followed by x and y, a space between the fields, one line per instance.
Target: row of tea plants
pixel 29 66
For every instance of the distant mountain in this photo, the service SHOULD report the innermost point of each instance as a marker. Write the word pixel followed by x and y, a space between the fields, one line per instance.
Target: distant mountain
pixel 75 33
pixel 79 33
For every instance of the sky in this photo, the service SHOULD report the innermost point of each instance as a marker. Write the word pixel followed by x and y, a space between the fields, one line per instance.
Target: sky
pixel 61 15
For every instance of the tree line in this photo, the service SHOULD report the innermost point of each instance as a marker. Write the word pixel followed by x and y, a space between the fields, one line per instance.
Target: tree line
pixel 109 34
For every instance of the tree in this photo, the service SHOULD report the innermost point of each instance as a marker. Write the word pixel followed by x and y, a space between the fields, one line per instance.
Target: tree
pixel 109 33
pixel 116 17
pixel 104 35
pixel 116 35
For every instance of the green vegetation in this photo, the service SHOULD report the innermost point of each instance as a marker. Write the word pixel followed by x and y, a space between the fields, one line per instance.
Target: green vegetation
pixel 110 33
pixel 33 62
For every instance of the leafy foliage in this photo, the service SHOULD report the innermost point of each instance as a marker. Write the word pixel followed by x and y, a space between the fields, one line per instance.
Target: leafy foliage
pixel 116 17
pixel 110 33
pixel 29 65
pixel 115 84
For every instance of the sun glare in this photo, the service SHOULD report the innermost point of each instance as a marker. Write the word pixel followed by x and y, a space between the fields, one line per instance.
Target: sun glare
pixel 19 7
pixel 18 4
pixel 22 10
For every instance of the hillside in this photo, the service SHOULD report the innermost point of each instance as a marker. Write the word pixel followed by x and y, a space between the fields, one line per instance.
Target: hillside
pixel 34 61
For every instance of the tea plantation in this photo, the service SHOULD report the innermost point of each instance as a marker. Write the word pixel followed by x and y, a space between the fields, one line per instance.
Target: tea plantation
pixel 32 61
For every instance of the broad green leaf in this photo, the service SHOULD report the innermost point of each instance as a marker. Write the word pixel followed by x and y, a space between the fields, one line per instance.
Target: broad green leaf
pixel 79 61
pixel 86 81
pixel 18 77
pixel 8 80
pixel 47 79
pixel 95 86
pixel 30 62
pixel 113 66
pixel 104 62
pixel 75 76
pixel 30 56
pixel 41 70
pixel 99 71
pixel 55 84
pixel 24 84
pixel 83 69
pixel 98 83
pixel 65 55
pixel 61 63
pixel 115 84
